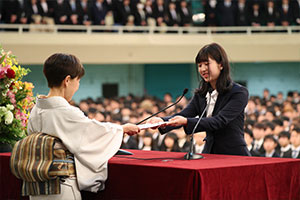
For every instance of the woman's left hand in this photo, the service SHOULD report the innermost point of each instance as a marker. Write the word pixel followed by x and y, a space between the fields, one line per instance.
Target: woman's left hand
pixel 177 121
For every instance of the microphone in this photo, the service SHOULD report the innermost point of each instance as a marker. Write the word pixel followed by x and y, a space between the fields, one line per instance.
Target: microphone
pixel 183 93
pixel 190 155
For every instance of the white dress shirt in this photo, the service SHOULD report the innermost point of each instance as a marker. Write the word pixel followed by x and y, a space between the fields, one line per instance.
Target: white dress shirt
pixel 212 102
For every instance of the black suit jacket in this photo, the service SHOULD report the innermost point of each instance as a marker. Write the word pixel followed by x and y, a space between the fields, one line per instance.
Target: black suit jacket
pixel 224 130
pixel 288 154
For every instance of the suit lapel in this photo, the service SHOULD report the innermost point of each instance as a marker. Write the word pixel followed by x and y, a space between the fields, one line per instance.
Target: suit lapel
pixel 218 103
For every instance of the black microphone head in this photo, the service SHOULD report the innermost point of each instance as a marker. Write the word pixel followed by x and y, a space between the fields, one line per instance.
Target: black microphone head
pixel 185 91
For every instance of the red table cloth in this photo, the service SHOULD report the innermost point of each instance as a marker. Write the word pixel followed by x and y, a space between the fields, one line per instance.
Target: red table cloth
pixel 166 175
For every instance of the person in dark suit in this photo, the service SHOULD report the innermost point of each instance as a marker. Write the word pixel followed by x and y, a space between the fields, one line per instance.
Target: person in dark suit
pixel 256 16
pixel 284 142
pixel 242 13
pixel 99 11
pixel 258 134
pixel 227 13
pixel 11 11
pixel 295 141
pixel 46 12
pixel 129 142
pixel 269 145
pixel 59 11
pixel 173 17
pixel 211 14
pixel 124 11
pixel 286 13
pixel 185 14
pixel 140 17
pixel 223 118
pixel 159 12
pixel 84 12
pixel 248 136
pixel 272 14
pixel 33 12
pixel 73 11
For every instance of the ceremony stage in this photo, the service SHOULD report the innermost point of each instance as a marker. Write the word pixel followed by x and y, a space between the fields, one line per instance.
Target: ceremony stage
pixel 166 175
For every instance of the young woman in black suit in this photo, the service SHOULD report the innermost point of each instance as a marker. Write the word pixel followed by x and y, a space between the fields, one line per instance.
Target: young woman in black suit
pixel 223 120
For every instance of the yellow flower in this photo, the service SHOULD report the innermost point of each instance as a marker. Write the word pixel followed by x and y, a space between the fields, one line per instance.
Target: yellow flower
pixel 28 86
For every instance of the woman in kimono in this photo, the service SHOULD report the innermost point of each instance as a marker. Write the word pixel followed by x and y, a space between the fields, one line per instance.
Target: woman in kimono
pixel 92 143
pixel 223 119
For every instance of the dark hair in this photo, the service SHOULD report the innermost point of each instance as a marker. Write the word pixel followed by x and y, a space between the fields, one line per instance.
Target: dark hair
pixel 217 53
pixel 270 137
pixel 270 125
pixel 249 132
pixel 259 126
pixel 284 134
pixel 58 66
pixel 277 122
pixel 173 136
pixel 297 129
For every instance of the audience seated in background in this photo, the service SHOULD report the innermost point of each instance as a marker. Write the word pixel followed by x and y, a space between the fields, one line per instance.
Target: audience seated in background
pixel 269 115
pixel 150 12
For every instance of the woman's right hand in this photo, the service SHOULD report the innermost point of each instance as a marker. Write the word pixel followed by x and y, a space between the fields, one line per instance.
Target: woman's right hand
pixel 130 129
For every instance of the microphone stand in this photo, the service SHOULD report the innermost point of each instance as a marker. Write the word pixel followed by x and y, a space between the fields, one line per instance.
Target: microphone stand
pixel 184 92
pixel 190 155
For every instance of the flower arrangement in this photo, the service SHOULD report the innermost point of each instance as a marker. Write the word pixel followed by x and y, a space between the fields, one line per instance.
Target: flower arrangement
pixel 16 99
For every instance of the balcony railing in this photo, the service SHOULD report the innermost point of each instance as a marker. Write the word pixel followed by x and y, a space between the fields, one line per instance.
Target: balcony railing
pixel 56 29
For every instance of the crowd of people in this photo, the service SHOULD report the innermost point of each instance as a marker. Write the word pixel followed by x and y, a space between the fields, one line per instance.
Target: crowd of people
pixel 97 12
pixel 150 12
pixel 272 123
pixel 252 13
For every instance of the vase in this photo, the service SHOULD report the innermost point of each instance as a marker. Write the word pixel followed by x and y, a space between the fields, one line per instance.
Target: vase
pixel 4 147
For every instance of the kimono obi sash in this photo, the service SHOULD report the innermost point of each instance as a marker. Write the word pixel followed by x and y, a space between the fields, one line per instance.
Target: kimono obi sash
pixel 41 160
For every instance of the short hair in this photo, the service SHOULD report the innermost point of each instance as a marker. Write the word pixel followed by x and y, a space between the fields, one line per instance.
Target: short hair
pixel 284 134
pixel 270 137
pixel 249 132
pixel 259 126
pixel 278 122
pixel 270 125
pixel 297 129
pixel 58 66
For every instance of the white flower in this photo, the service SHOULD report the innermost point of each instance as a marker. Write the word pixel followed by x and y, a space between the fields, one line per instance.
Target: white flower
pixel 9 117
pixel 9 107
pixel 3 110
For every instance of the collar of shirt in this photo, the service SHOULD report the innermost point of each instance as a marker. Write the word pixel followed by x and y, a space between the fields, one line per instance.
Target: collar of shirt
pixel 295 149
pixel 285 149
pixel 51 102
pixel 258 142
pixel 249 147
pixel 270 154
pixel 213 95
pixel 213 99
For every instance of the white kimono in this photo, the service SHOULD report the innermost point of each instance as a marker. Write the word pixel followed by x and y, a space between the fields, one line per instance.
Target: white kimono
pixel 92 143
